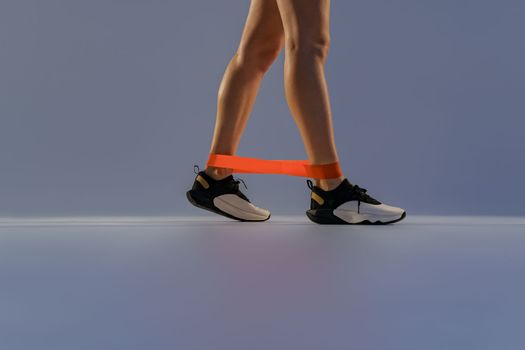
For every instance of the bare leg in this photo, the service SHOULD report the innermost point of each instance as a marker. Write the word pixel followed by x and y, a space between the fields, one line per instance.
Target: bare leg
pixel 261 41
pixel 307 37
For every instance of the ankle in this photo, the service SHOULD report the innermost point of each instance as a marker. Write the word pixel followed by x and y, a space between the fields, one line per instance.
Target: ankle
pixel 329 184
pixel 217 173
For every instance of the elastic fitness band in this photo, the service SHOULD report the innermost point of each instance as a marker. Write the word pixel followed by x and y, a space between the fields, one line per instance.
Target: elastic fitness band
pixel 270 166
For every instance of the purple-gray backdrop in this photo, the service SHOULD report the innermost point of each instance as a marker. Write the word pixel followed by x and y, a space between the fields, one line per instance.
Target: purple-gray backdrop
pixel 106 105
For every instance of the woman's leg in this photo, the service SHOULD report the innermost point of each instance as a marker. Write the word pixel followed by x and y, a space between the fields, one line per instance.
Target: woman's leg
pixel 307 38
pixel 261 41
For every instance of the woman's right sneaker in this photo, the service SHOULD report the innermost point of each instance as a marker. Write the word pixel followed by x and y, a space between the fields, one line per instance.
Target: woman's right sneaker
pixel 349 204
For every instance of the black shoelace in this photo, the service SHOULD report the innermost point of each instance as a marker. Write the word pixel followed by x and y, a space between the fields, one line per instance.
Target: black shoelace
pixel 361 195
pixel 237 181
pixel 361 192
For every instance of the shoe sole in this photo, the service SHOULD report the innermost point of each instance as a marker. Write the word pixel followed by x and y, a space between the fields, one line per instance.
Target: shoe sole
pixel 327 217
pixel 216 210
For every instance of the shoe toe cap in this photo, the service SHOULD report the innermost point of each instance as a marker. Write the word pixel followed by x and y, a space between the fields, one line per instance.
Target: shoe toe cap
pixel 381 209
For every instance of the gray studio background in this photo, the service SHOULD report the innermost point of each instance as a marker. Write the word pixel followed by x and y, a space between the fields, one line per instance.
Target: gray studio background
pixel 105 106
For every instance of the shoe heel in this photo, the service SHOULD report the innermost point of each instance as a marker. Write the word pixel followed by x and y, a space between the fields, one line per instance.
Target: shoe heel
pixel 324 217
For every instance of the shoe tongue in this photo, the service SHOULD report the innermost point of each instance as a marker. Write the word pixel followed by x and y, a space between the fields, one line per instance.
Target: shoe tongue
pixel 345 184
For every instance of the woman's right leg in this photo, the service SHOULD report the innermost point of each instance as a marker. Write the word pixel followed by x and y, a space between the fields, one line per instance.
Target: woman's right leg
pixel 261 41
pixel 306 27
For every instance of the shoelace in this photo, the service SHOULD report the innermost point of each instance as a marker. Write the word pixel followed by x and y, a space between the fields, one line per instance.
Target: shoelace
pixel 361 191
pixel 361 194
pixel 236 181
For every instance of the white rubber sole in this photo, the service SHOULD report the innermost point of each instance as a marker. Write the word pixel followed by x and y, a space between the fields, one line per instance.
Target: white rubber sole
pixel 239 208
pixel 355 218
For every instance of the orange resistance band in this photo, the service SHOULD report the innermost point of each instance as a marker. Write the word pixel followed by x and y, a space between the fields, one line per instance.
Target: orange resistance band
pixel 269 166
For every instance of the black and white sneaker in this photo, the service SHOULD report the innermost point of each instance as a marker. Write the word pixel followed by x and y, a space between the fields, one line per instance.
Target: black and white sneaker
pixel 223 197
pixel 349 204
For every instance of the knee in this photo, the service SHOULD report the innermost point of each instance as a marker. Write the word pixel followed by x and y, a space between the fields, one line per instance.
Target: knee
pixel 308 46
pixel 259 56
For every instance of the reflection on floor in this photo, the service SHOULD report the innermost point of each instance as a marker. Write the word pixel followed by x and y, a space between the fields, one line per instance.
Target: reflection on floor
pixel 211 283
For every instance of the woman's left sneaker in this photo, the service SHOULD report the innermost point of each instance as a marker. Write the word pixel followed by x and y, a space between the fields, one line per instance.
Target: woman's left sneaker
pixel 349 204
pixel 223 197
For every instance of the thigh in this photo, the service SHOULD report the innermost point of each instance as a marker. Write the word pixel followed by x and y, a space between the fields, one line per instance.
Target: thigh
pixel 305 19
pixel 263 28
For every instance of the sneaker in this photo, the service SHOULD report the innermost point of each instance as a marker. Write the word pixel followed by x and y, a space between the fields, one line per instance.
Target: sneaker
pixel 223 197
pixel 349 204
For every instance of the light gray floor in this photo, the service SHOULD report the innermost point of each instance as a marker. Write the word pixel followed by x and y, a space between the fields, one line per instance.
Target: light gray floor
pixel 211 283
